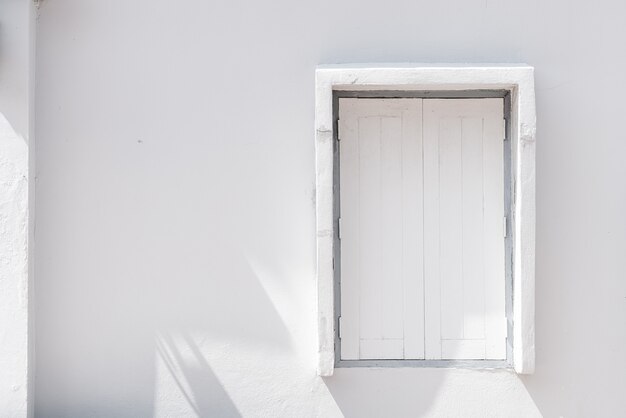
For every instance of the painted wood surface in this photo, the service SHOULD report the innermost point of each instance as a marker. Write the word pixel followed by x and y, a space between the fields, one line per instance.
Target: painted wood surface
pixel 422 247
pixel 464 142
pixel 381 239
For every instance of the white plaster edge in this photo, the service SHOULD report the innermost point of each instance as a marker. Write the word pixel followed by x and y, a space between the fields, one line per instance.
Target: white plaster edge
pixel 524 214
pixel 519 79
pixel 14 283
pixel 17 168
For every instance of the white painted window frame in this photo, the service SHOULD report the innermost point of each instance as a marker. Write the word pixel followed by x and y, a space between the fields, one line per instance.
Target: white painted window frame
pixel 516 78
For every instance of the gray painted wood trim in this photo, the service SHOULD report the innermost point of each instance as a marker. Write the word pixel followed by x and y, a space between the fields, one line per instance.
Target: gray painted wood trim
pixel 336 215
pixel 510 231
pixel 420 94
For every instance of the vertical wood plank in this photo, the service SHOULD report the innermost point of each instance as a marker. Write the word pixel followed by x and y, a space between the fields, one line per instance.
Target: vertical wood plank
pixel 451 228
pixel 473 282
pixel 493 235
pixel 370 227
pixel 412 230
pixel 432 287
pixel 391 289
pixel 350 236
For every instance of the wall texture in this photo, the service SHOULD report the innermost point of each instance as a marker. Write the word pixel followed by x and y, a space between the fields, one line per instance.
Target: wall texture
pixel 175 215
pixel 16 126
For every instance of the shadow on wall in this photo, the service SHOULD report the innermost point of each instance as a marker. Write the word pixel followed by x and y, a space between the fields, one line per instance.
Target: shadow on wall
pixel 429 392
pixel 198 315
pixel 128 338
pixel 399 392
pixel 193 376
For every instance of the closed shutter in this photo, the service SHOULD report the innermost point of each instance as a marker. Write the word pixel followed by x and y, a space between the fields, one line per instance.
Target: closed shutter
pixel 382 303
pixel 422 246
pixel 464 217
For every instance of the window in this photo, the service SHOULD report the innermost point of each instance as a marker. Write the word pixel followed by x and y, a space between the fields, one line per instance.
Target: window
pixel 419 228
pixel 420 251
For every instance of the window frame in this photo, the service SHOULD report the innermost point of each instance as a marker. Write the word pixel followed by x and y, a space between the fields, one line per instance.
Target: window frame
pixel 514 83
pixel 508 239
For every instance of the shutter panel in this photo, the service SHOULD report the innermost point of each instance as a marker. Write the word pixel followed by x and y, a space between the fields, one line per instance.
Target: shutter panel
pixel 381 243
pixel 465 275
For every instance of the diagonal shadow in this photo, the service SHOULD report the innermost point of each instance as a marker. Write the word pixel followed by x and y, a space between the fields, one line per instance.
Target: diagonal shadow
pixel 193 376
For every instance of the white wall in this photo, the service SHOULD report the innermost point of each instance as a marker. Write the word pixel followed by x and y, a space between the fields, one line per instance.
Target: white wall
pixel 16 128
pixel 175 214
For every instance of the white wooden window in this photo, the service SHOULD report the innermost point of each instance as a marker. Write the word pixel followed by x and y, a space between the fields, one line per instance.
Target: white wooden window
pixel 469 324
pixel 422 229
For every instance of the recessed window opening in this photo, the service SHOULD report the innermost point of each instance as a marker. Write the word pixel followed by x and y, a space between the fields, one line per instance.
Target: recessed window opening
pixel 426 250
pixel 422 228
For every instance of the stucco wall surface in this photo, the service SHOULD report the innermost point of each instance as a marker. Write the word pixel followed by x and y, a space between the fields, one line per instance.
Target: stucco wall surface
pixel 13 271
pixel 16 228
pixel 175 265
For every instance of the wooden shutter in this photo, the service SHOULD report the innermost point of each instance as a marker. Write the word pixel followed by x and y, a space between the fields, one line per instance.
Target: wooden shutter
pixel 382 302
pixel 422 246
pixel 464 229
